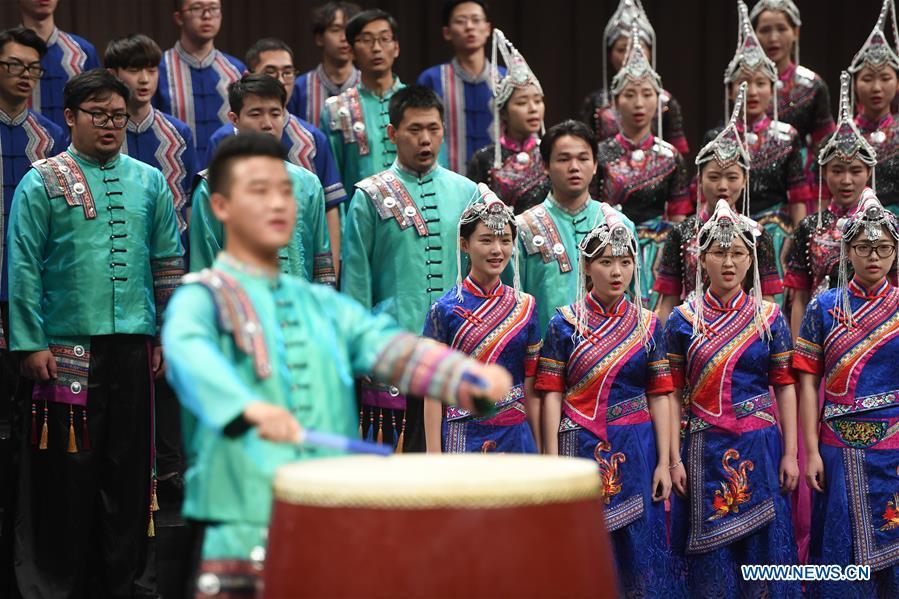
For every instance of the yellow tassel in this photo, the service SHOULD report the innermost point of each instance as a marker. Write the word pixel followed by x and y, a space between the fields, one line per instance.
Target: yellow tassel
pixel 151 528
pixel 72 447
pixel 43 443
pixel 154 504
pixel 380 435
pixel 399 442
pixel 360 424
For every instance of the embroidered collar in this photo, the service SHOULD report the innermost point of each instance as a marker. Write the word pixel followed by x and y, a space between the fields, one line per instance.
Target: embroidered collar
pixel 54 37
pixel 387 94
pixel 554 204
pixel 867 125
pixel 759 125
pixel 13 121
pixel 630 146
pixel 474 288
pixel 90 161
pixel 226 259
pixel 714 302
pixel 405 170
pixel 467 77
pixel 192 60
pixel 510 144
pixel 618 309
pixel 858 290
pixel 332 87
pixel 787 74
pixel 142 126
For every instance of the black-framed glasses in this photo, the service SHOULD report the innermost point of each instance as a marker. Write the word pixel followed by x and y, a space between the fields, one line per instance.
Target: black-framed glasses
pixel 202 11
pixel 16 68
pixel 735 255
pixel 368 40
pixel 285 73
pixel 884 250
pixel 100 119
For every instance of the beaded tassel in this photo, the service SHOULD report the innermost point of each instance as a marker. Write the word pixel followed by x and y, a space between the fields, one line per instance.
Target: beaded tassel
pixel 361 416
pixel 33 423
pixel 370 436
pixel 72 447
pixel 380 427
pixel 43 443
pixel 85 432
pixel 393 428
pixel 399 443
pixel 154 506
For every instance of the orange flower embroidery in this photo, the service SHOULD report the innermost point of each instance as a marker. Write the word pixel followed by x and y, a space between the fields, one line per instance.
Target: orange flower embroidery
pixel 891 514
pixel 608 470
pixel 735 490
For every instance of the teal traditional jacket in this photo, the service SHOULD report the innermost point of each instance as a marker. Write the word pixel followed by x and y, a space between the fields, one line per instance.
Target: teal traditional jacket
pixel 308 254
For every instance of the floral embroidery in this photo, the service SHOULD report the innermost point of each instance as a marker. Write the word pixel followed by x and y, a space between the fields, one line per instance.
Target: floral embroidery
pixel 891 514
pixel 608 470
pixel 735 490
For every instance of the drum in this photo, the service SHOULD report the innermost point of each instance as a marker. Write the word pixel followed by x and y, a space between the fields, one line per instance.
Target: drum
pixel 418 525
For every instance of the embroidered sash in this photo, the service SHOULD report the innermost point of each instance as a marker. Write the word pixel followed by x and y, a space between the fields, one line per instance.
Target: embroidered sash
pixel 391 199
pixel 73 358
pixel 168 155
pixel 302 145
pixel 873 488
pixel 540 234
pixel 345 115
pixel 64 178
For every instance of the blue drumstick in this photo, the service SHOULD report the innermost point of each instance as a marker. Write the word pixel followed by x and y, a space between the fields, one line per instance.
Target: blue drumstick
pixel 341 443
pixel 482 405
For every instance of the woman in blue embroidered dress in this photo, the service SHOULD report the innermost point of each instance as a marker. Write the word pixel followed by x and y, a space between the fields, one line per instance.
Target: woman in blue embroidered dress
pixel 494 323
pixel 725 347
pixel 605 374
pixel 850 337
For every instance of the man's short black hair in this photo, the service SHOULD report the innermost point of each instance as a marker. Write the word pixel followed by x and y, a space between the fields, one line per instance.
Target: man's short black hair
pixel 324 15
pixel 355 25
pixel 236 147
pixel 570 127
pixel 257 84
pixel 413 96
pixel 266 44
pixel 95 83
pixel 449 6
pixel 134 51
pixel 25 37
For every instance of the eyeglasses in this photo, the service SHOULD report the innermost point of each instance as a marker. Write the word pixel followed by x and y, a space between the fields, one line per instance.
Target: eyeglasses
pixel 721 255
pixel 368 40
pixel 883 251
pixel 202 11
pixel 100 119
pixel 285 73
pixel 16 68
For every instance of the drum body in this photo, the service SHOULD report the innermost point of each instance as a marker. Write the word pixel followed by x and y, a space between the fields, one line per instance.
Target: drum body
pixel 416 525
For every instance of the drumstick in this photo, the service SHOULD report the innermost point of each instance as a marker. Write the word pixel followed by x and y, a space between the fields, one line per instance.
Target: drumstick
pixel 483 406
pixel 341 443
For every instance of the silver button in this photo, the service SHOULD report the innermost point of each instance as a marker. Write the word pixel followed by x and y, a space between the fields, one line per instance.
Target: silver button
pixel 265 369
pixel 779 84
pixel 751 138
pixel 75 387
pixel 389 202
pixel 409 211
pixel 358 127
pixel 78 350
pixel 63 169
pixel 78 188
pixel 209 584
pixel 558 249
pixel 540 212
pixel 539 240
pixel 344 112
pixel 878 137
pixel 257 554
pixel 393 391
pixel 388 177
pixel 638 155
pixel 523 158
pixel 250 328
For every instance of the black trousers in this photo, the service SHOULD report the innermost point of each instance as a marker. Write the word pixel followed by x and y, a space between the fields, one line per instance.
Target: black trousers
pixel 9 427
pixel 82 518
pixel 169 455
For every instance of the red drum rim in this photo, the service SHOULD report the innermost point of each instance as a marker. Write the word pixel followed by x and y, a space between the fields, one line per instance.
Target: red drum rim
pixel 422 481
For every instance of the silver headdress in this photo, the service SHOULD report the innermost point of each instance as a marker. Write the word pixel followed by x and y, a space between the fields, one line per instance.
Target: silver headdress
pixel 613 233
pixel 518 76
pixel 876 52
pixel 870 218
pixel 846 143
pixel 490 210
pixel 724 226
pixel 637 68
pixel 628 15
pixel 729 147
pixel 749 57
pixel 788 7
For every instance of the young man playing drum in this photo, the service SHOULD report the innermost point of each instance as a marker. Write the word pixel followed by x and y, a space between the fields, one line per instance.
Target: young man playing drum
pixel 254 355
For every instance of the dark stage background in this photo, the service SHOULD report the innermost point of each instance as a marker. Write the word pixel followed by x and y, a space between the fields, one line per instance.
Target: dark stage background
pixel 561 39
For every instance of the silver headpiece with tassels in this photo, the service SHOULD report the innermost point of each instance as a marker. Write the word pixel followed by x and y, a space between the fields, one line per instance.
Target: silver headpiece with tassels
pixel 628 15
pixel 749 57
pixel 870 219
pixel 612 233
pixel 729 147
pixel 724 226
pixel 518 76
pixel 636 68
pixel 493 212
pixel 876 52
pixel 846 143
pixel 788 7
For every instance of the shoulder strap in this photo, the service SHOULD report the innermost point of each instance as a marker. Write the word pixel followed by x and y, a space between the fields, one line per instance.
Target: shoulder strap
pixel 539 234
pixel 64 178
pixel 345 115
pixel 391 199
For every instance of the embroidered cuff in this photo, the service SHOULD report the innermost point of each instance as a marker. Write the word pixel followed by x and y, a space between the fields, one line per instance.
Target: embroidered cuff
pixel 323 270
pixel 167 273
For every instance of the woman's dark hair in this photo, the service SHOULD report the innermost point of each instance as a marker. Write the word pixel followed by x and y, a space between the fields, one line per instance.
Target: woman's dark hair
pixel 236 147
pixel 135 51
pixel 569 127
pixel 466 230
pixel 355 25
pixel 91 84
pixel 258 84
